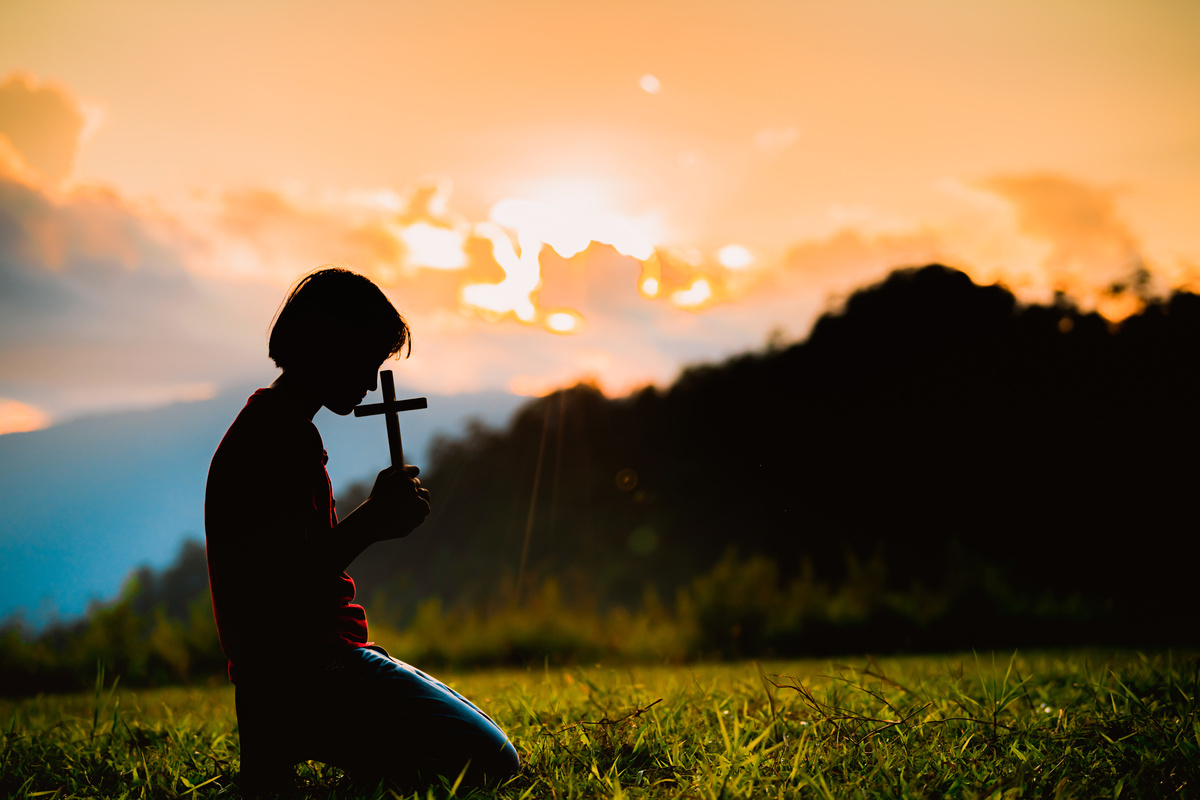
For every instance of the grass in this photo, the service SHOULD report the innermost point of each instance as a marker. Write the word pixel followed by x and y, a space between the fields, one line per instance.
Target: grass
pixel 1053 725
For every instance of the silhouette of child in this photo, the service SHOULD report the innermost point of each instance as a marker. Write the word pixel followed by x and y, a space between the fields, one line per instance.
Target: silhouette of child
pixel 308 682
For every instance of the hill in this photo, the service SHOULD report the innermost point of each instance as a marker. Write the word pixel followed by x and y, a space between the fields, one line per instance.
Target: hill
pixel 88 501
pixel 956 440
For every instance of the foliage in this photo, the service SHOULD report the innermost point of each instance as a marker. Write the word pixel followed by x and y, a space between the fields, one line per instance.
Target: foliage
pixel 145 648
pixel 930 421
pixel 741 608
pixel 1051 725
pixel 541 628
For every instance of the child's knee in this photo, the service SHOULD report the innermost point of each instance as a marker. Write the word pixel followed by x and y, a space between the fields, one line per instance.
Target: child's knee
pixel 487 765
pixel 507 762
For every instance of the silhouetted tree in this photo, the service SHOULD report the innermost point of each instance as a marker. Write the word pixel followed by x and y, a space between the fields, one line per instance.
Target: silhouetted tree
pixel 928 417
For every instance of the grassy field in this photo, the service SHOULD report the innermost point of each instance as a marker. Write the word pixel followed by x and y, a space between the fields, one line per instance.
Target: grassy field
pixel 1072 724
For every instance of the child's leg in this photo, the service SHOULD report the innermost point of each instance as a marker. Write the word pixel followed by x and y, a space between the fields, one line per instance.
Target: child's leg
pixel 400 723
pixel 265 733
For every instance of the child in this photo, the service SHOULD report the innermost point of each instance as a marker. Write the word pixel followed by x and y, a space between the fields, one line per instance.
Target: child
pixel 308 682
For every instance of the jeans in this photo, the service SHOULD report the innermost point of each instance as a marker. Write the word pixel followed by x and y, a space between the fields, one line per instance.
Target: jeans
pixel 373 716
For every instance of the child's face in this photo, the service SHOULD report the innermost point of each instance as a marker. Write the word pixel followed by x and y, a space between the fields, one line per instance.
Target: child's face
pixel 347 380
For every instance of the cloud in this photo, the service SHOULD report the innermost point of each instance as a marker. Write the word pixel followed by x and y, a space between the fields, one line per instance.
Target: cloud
pixel 640 317
pixel 850 258
pixel 99 306
pixel 284 238
pixel 411 244
pixel 42 123
pixel 106 302
pixel 287 232
pixel 98 309
pixel 1089 245
pixel 97 290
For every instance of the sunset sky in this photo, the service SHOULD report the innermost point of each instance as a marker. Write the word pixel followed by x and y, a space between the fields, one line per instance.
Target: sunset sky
pixel 558 191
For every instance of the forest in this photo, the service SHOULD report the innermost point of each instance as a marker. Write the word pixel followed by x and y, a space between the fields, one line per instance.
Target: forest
pixel 937 466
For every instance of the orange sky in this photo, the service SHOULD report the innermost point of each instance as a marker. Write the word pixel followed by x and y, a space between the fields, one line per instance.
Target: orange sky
pixel 169 168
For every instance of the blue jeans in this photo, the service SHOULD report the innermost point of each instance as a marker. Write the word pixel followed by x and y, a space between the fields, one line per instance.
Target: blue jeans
pixel 373 716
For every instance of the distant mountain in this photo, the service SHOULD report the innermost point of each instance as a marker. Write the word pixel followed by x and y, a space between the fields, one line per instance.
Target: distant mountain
pixel 86 502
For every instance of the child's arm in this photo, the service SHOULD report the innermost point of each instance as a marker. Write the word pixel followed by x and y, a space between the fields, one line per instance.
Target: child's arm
pixel 397 505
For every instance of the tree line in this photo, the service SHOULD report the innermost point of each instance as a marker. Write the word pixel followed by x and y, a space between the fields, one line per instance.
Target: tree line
pixel 936 466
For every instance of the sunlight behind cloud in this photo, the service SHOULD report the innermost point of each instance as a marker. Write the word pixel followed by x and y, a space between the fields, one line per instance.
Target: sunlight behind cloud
pixel 561 226
pixel 433 246
pixel 522 276
pixel 570 232
pixel 734 256
pixel 650 84
pixel 694 296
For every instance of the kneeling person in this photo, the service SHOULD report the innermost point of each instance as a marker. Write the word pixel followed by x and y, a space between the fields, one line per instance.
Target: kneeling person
pixel 309 683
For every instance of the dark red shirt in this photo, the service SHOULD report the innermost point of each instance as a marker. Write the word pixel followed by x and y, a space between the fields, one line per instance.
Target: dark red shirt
pixel 267 506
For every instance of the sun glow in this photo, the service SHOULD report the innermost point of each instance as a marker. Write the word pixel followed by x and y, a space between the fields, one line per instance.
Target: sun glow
pixel 522 276
pixel 535 225
pixel 433 246
pixel 734 256
pixel 570 232
pixel 694 296
pixel 568 215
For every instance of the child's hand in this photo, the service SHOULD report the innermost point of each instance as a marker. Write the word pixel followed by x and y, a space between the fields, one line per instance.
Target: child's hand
pixel 399 502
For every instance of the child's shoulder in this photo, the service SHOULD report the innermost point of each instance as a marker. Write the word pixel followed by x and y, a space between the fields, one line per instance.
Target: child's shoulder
pixel 267 422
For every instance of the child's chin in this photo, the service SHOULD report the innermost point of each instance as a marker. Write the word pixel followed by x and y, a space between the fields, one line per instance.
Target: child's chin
pixel 342 409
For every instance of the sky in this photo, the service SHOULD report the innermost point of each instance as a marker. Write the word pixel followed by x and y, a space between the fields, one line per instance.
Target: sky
pixel 552 192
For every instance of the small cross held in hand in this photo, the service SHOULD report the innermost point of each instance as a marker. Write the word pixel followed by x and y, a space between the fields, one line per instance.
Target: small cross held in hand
pixel 390 408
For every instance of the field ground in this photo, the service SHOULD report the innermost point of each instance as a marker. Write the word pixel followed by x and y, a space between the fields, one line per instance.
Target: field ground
pixel 1080 724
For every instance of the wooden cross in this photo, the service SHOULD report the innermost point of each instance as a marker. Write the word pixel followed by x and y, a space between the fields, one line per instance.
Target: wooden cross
pixel 389 408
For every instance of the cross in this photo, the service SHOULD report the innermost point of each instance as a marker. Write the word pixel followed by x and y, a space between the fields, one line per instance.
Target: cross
pixel 389 408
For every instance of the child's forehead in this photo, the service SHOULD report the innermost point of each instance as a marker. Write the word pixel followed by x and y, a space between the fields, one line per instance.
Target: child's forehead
pixel 367 343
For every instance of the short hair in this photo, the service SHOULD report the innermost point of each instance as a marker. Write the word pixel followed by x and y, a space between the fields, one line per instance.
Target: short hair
pixel 331 308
